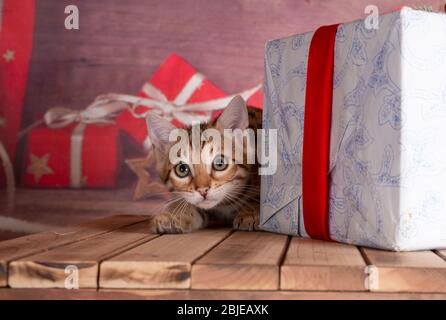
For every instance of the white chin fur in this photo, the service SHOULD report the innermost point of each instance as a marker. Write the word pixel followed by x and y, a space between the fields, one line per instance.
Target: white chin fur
pixel 214 198
pixel 207 204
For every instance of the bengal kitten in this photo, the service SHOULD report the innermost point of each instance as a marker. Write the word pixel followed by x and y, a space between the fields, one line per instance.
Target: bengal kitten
pixel 207 194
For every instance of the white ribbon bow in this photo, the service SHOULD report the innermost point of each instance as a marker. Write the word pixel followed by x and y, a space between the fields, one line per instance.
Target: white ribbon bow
pixel 100 111
pixel 106 107
pixel 187 114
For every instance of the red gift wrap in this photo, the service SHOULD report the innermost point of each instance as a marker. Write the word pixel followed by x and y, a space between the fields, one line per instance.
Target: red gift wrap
pixel 16 40
pixel 171 78
pixel 61 158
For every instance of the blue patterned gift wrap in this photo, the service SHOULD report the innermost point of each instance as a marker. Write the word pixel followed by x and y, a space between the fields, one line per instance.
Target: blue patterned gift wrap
pixel 388 134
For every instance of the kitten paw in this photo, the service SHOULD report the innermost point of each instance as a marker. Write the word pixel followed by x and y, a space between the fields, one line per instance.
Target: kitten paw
pixel 162 223
pixel 247 221
pixel 169 223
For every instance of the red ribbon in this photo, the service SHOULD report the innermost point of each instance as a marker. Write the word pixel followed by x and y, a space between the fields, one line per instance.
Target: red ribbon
pixel 317 124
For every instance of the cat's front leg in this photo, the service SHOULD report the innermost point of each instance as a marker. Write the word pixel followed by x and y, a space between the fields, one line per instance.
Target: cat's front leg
pixel 168 222
pixel 247 219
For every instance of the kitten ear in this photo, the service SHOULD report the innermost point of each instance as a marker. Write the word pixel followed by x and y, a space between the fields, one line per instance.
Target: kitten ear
pixel 235 115
pixel 159 130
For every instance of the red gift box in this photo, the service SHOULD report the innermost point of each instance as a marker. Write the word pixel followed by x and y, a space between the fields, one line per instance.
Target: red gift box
pixel 179 83
pixel 16 39
pixel 256 100
pixel 77 155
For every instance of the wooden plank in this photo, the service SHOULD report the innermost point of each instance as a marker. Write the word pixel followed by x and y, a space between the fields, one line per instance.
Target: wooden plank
pixel 420 271
pixel 164 262
pixel 322 265
pixel 180 294
pixel 246 260
pixel 261 295
pixel 48 269
pixel 20 247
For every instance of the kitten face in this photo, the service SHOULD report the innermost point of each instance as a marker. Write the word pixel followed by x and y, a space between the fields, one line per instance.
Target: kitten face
pixel 211 183
pixel 217 179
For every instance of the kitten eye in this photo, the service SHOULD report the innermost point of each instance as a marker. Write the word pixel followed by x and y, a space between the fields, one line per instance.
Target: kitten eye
pixel 220 163
pixel 182 170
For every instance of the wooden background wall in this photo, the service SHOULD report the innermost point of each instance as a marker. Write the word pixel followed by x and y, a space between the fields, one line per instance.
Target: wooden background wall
pixel 120 43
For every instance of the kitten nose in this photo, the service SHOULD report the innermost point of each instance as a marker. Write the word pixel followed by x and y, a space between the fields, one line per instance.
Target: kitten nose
pixel 203 192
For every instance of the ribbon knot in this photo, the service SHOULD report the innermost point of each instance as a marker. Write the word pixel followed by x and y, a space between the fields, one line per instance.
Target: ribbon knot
pixel 167 111
pixel 102 110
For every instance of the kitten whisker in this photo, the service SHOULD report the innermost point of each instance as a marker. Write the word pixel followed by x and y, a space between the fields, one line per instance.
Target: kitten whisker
pixel 232 203
pixel 244 195
pixel 178 207
pixel 167 203
pixel 239 201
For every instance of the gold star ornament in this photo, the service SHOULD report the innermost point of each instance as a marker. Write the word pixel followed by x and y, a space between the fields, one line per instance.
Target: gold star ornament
pixel 39 167
pixel 144 186
pixel 9 55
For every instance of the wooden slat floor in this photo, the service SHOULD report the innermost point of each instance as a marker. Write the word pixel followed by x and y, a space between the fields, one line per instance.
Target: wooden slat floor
pixel 115 257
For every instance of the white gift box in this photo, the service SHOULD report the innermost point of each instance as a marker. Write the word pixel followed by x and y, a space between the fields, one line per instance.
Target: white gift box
pixel 387 172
